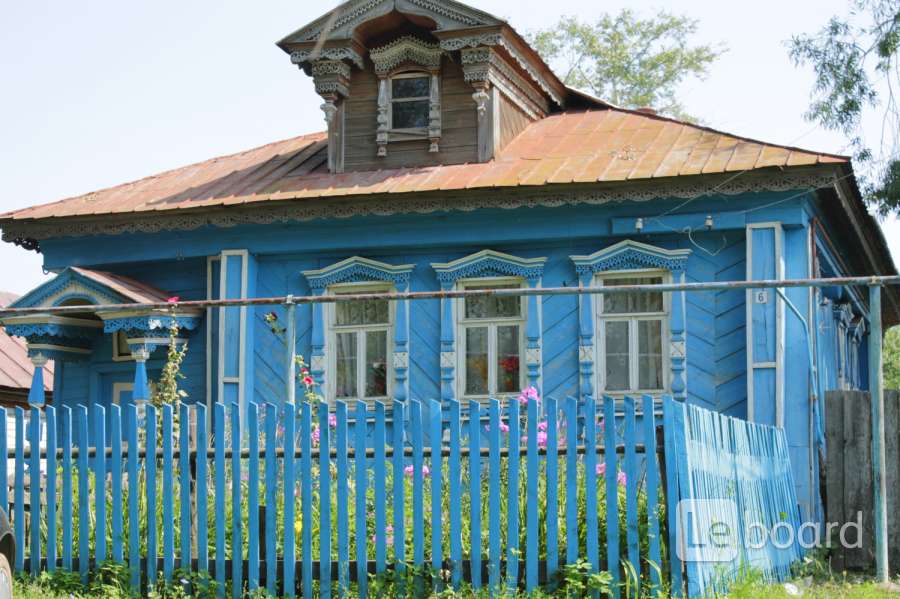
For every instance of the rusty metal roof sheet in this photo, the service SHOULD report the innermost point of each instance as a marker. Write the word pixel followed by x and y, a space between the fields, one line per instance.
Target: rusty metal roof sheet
pixel 606 145
pixel 16 368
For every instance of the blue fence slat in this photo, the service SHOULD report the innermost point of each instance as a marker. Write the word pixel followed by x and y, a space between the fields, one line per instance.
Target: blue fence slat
pixel 184 484
pixel 632 479
pixel 343 495
pixel 290 487
pixel 532 521
pixel 4 452
pixel 435 429
pixel 475 492
pixel 271 499
pixel 455 475
pixel 84 527
pixel 415 427
pixel 19 490
pixel 52 495
pixel 150 466
pixel 115 466
pixel 34 476
pixel 399 487
pixel 202 490
pixel 306 495
pixel 612 492
pixel 67 514
pixel 379 441
pixel 133 468
pixel 512 511
pixel 590 478
pixel 253 497
pixel 672 496
pixel 100 553
pixel 571 480
pixel 168 493
pixel 655 553
pixel 552 488
pixel 362 477
pixel 237 536
pixel 324 502
pixel 494 495
pixel 683 476
pixel 220 493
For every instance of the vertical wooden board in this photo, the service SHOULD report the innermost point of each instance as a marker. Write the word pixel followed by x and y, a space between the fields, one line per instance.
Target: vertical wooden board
pixel 632 480
pixel 4 452
pixel 67 514
pixel 612 493
pixel 152 524
pixel 415 424
pixel 184 484
pixel 115 433
pixel 271 499
pixel 654 551
pixel 237 536
pixel 531 498
pixel 590 482
pixel 168 493
pixel 379 443
pixel 512 510
pixel 834 466
pixel 495 498
pixel 132 468
pixel 324 502
pixel 672 496
pixel 100 553
pixel 437 514
pixel 202 490
pixel 359 456
pixel 220 494
pixel 290 551
pixel 399 486
pixel 343 496
pixel 552 488
pixel 52 496
pixel 306 495
pixel 892 477
pixel 475 492
pixel 571 480
pixel 455 474
pixel 858 474
pixel 84 529
pixel 34 478
pixel 19 490
pixel 252 497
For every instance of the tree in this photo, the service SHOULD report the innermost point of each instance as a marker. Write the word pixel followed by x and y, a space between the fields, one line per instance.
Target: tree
pixel 891 359
pixel 627 60
pixel 855 60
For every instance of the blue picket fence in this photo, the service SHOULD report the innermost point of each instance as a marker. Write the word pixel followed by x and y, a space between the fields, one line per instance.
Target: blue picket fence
pixel 303 500
pixel 735 473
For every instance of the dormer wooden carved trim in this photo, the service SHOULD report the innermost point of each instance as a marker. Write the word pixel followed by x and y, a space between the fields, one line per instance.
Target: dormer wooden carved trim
pixel 407 57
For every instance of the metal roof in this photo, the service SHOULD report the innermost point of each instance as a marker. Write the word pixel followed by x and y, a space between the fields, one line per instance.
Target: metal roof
pixel 597 146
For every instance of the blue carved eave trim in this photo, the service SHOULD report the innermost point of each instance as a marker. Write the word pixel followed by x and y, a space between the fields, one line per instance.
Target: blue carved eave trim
pixel 69 285
pixel 488 263
pixel 358 270
pixel 49 330
pixel 149 323
pixel 631 255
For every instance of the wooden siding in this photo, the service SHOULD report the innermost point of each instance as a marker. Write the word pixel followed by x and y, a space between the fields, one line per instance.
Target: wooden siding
pixel 512 121
pixel 459 126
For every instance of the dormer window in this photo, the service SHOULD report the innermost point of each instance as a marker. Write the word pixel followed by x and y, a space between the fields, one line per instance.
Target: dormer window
pixel 410 102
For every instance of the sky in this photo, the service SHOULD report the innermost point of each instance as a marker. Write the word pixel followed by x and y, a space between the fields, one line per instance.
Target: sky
pixel 93 94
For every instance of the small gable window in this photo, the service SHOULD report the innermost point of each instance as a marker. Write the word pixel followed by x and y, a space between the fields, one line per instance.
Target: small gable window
pixel 410 101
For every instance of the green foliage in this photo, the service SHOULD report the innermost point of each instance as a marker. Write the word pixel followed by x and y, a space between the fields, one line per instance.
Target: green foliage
pixel 628 60
pixel 891 358
pixel 853 58
pixel 167 391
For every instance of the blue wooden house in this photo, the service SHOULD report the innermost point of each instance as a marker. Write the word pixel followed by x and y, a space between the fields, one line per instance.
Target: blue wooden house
pixel 455 159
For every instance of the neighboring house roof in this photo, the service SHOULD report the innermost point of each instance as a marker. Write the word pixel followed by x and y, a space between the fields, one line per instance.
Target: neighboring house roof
pixel 602 146
pixel 16 368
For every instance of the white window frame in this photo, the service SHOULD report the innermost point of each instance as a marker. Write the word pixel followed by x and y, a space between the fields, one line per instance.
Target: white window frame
pixel 462 323
pixel 331 341
pixel 600 320
pixel 391 100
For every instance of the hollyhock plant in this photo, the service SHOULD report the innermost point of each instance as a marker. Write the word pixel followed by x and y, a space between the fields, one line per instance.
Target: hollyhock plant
pixel 410 470
pixel 600 469
pixel 622 479
pixel 332 420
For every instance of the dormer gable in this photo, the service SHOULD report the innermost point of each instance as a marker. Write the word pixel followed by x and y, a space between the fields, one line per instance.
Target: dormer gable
pixel 410 83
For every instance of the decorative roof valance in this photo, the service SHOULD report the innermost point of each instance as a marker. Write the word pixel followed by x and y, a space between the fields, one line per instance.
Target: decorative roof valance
pixel 488 263
pixel 406 49
pixel 356 270
pixel 627 255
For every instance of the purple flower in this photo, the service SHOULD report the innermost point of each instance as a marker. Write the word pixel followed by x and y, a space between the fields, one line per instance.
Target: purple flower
pixel 622 479
pixel 528 394
pixel 332 420
pixel 600 469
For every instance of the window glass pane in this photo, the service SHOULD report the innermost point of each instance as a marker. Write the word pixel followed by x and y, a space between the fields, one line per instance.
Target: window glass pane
pixel 617 362
pixel 411 115
pixel 630 303
pixel 345 375
pixel 410 87
pixel 650 354
pixel 376 364
pixel 361 313
pixel 476 361
pixel 508 380
pixel 494 307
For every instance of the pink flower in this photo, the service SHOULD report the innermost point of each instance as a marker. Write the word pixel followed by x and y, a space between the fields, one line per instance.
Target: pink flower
pixel 173 300
pixel 332 420
pixel 542 439
pixel 308 381
pixel 542 426
pixel 425 471
pixel 528 394
pixel 316 436
pixel 411 470
pixel 622 479
pixel 504 428
pixel 601 469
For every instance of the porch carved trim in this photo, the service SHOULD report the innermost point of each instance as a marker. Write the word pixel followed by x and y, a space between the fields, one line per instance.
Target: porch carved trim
pixel 358 269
